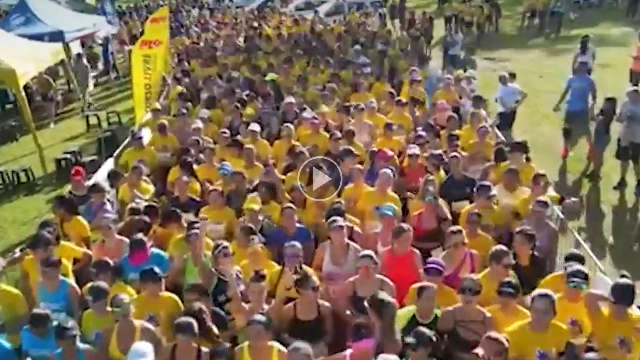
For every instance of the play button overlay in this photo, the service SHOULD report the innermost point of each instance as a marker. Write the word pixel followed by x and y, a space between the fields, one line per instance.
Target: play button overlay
pixel 322 171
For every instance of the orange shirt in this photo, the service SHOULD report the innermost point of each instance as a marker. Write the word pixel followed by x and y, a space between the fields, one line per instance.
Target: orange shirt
pixel 635 64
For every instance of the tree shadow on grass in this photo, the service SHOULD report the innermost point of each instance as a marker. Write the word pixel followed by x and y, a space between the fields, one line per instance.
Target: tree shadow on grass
pixel 624 250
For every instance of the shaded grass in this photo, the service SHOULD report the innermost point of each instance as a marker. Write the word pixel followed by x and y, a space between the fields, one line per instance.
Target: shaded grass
pixel 22 208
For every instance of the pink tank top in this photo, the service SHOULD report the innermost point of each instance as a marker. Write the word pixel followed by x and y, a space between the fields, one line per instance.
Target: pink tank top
pixel 453 278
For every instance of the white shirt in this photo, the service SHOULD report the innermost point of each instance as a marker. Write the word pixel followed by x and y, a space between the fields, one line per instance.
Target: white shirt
pixel 457 50
pixel 507 97
pixel 588 57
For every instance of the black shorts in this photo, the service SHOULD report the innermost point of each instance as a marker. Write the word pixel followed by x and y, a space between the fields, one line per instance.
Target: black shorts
pixel 532 14
pixel 630 152
pixel 634 77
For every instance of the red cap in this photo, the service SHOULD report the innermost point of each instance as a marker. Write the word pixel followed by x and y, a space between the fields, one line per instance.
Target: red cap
pixel 78 173
pixel 384 154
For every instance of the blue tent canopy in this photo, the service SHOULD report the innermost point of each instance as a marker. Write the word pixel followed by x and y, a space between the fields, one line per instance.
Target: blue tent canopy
pixel 44 20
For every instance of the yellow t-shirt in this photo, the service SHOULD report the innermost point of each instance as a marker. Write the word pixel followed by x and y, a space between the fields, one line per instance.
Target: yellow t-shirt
pixel 93 325
pixel 77 229
pixel 371 199
pixel 144 189
pixel 131 156
pixel 449 96
pixel 12 305
pixel 221 221
pixel 554 282
pixel 351 194
pixel 361 97
pixel 194 187
pixel 480 242
pixel 262 146
pixel 492 216
pixel 319 139
pixel 503 320
pixel 402 119
pixel 164 145
pixel 160 311
pixel 489 294
pixel 394 144
pixel 524 343
pixel 178 247
pixel 248 268
pixel 445 296
pixel 526 172
pixel 607 330
pixel 567 310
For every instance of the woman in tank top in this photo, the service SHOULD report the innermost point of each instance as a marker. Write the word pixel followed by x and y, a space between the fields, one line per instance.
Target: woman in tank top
pixel 401 263
pixel 364 129
pixel 388 215
pixel 336 259
pixel 259 344
pixel 585 54
pixel 459 260
pixel 308 318
pixel 186 346
pixel 359 288
pixel 430 221
pixel 126 331
pixel 69 346
pixel 187 269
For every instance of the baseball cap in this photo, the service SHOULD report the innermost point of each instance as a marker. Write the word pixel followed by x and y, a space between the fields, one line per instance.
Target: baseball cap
pixel 301 348
pixel 225 168
pixel 420 338
pixel 289 100
pixel 336 221
pixel 573 257
pixel 509 288
pixel 66 330
pixel 485 189
pixel 413 150
pixel 577 276
pixel 78 173
pixel 141 350
pixel 254 127
pixel 384 154
pixel 434 265
pixel 387 209
pixel 151 274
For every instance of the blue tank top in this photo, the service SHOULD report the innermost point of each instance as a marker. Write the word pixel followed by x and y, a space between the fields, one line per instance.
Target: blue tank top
pixel 58 302
pixel 35 347
pixel 79 352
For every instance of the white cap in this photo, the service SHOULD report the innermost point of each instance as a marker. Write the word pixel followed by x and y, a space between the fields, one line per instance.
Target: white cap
pixel 204 113
pixel 254 127
pixel 413 149
pixel 371 103
pixel 197 124
pixel 289 100
pixel 141 350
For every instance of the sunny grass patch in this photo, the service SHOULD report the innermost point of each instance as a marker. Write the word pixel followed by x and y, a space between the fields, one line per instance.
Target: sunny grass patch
pixel 543 66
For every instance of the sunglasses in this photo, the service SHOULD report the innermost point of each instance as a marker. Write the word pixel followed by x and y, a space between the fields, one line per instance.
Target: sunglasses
pixel 469 291
pixel 507 294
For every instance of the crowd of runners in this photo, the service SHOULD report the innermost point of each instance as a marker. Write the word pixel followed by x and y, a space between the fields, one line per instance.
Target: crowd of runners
pixel 316 190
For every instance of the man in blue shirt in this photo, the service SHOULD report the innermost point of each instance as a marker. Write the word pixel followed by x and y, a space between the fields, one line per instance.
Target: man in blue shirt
pixel 290 230
pixel 583 96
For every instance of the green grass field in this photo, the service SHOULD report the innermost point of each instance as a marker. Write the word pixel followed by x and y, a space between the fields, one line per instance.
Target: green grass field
pixel 542 66
pixel 21 209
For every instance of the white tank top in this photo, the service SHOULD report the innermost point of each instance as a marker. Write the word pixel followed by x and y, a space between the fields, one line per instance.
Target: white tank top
pixel 587 57
pixel 335 275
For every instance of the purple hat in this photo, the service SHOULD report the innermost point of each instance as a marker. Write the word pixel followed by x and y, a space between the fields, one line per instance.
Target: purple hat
pixel 434 264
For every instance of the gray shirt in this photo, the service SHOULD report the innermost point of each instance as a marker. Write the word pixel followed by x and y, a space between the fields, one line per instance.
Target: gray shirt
pixel 630 119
